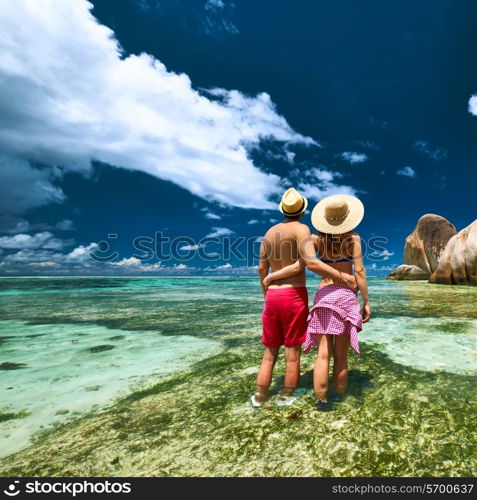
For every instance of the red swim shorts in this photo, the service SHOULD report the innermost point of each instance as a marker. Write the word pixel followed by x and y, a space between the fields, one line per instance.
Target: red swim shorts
pixel 284 316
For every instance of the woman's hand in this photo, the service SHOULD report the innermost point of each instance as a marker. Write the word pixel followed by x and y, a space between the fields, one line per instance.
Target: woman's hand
pixel 267 281
pixel 366 313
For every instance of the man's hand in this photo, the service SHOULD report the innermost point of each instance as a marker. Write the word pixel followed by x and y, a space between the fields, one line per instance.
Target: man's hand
pixel 350 281
pixel 366 313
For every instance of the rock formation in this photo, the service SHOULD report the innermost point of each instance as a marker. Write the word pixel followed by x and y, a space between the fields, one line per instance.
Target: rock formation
pixel 423 248
pixel 458 263
pixel 406 272
pixel 426 243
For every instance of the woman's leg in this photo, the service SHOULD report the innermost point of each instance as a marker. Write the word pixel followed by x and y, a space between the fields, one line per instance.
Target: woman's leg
pixel 322 366
pixel 340 365
pixel 264 377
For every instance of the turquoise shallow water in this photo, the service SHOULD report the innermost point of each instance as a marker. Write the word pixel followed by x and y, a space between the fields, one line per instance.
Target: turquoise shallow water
pixel 71 345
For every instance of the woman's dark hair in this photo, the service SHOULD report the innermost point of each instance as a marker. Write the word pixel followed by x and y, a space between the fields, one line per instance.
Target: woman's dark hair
pixel 337 244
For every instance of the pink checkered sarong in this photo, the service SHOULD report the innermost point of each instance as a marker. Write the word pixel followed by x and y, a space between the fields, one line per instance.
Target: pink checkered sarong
pixel 335 311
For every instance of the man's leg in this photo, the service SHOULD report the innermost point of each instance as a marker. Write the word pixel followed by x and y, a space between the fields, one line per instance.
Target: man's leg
pixel 295 325
pixel 292 372
pixel 264 377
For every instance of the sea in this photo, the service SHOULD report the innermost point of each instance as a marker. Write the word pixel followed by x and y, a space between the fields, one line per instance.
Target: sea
pixel 70 346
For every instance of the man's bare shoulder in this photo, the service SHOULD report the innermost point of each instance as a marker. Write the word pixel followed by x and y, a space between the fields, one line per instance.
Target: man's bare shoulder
pixel 302 230
pixel 270 232
pixel 290 230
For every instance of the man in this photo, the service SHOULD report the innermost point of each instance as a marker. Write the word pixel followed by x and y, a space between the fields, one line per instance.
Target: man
pixel 285 313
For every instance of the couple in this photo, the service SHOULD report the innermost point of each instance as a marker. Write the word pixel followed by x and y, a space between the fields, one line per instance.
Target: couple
pixel 335 319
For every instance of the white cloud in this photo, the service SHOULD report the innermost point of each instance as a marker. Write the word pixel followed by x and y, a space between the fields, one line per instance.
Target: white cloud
pixel 82 253
pixel 434 153
pixel 290 156
pixel 79 260
pixel 181 267
pixel 380 269
pixel 253 221
pixel 12 224
pixel 354 157
pixel 151 267
pixel 71 97
pixel 284 155
pixel 65 225
pixel 39 240
pixel 41 254
pixel 134 263
pixel 130 262
pixel 321 174
pixel 406 171
pixel 191 247
pixel 228 269
pixel 473 105
pixel 210 215
pixel 29 255
pixel 320 183
pixel 383 255
pixel 317 182
pixel 219 231
pixel 216 19
pixel 317 193
pixel 44 264
pixel 225 266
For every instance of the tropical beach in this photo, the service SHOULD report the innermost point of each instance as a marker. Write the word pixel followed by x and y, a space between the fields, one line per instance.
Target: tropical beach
pixel 133 388
pixel 238 239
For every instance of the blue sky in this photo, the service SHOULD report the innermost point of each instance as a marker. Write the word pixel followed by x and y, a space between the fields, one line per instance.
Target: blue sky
pixel 189 118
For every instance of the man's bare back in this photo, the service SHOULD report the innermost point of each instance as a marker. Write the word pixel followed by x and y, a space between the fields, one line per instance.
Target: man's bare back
pixel 281 246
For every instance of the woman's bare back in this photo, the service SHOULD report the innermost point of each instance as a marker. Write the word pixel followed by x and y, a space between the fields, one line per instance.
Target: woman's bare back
pixel 345 267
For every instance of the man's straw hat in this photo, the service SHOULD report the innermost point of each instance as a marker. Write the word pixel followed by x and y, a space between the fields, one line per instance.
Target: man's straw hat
pixel 293 203
pixel 337 214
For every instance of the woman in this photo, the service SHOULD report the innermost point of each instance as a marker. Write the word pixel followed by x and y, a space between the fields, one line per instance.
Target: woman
pixel 335 318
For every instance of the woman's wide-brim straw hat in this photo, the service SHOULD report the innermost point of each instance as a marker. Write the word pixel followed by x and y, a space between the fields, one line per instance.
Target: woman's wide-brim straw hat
pixel 337 214
pixel 293 203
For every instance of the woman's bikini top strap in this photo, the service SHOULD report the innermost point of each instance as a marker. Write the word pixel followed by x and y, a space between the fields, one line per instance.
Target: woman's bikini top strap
pixel 327 261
